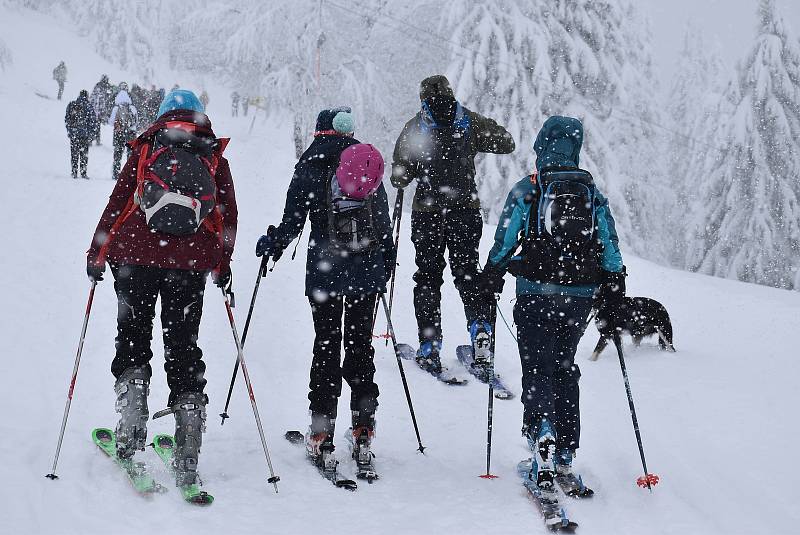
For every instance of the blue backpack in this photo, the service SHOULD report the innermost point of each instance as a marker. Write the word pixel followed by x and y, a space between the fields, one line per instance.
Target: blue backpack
pixel 561 243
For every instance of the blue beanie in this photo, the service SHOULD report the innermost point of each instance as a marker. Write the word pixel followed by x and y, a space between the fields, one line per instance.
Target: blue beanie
pixel 180 99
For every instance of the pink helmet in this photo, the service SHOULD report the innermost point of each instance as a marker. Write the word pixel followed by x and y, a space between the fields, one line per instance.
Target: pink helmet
pixel 360 171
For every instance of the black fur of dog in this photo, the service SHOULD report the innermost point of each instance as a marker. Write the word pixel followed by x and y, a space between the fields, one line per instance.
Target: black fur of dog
pixel 641 317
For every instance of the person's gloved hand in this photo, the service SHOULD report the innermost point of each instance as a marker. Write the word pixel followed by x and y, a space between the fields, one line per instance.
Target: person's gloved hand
pixel 223 278
pixel 94 271
pixel 491 281
pixel 610 302
pixel 268 245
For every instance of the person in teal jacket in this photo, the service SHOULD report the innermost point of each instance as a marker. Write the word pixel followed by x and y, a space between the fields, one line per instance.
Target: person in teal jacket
pixel 551 312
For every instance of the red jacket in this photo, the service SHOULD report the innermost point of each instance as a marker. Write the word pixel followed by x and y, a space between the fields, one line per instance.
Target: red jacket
pixel 132 241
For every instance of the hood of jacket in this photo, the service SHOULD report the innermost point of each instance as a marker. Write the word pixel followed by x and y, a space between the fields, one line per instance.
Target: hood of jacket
pixel 325 150
pixel 122 98
pixel 558 143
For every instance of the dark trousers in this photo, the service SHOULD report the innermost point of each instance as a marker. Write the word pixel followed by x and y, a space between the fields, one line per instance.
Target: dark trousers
pixel 358 368
pixel 120 143
pixel 459 231
pixel 60 88
pixel 549 328
pixel 79 155
pixel 181 293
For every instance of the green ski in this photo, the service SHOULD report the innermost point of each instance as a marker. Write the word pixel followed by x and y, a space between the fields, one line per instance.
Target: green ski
pixel 164 445
pixel 136 471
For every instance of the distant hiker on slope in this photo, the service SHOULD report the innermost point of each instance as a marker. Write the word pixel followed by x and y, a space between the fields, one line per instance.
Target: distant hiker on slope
pixel 101 102
pixel 437 147
pixel 337 184
pixel 235 104
pixel 569 253
pixel 124 118
pixel 81 123
pixel 60 76
pixel 158 247
pixel 204 99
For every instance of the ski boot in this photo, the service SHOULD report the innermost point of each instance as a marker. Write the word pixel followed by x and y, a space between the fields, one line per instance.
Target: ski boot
pixel 319 444
pixel 132 388
pixel 571 484
pixel 360 438
pixel 190 424
pixel 428 357
pixel 480 333
pixel 542 443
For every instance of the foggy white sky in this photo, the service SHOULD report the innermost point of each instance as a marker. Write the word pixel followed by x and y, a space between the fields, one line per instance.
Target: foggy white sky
pixel 731 23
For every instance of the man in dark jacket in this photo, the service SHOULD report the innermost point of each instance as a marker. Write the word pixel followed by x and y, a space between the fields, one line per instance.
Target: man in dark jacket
pixel 437 147
pixel 81 122
pixel 338 282
pixel 148 264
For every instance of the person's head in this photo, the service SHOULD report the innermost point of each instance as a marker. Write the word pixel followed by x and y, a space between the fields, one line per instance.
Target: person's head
pixel 83 94
pixel 558 143
pixel 437 95
pixel 122 86
pixel 180 99
pixel 104 78
pixel 335 121
pixel 360 171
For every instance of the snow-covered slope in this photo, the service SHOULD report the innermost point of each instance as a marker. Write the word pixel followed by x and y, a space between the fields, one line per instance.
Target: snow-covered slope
pixel 717 417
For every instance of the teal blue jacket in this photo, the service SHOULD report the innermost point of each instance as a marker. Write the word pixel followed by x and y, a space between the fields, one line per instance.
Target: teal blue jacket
pixel 515 218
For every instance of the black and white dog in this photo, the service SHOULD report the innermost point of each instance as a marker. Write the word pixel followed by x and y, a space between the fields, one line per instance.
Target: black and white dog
pixel 640 317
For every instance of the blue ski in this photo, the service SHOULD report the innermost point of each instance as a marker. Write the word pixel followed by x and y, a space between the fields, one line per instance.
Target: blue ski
pixel 465 357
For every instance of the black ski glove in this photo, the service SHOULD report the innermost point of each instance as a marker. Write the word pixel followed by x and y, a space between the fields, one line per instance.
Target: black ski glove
pixel 223 279
pixel 610 302
pixel 94 271
pixel 268 245
pixel 491 281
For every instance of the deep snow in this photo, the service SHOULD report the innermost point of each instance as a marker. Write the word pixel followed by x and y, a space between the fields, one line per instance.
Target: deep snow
pixel 717 417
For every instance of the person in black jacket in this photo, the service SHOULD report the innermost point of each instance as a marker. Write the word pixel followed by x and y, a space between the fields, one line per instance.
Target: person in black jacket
pixel 437 147
pixel 339 280
pixel 81 123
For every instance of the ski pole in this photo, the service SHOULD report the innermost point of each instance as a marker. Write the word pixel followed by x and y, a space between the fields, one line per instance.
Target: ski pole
pixel 52 474
pixel 398 216
pixel 382 298
pixel 648 479
pixel 240 358
pixel 262 272
pixel 398 210
pixel 490 410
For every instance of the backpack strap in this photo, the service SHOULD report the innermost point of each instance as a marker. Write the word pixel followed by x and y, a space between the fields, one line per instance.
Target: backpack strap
pixel 130 207
pixel 214 221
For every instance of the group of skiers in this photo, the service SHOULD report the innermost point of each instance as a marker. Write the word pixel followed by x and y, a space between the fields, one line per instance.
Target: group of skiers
pixel 171 220
pixel 126 110
pixel 236 99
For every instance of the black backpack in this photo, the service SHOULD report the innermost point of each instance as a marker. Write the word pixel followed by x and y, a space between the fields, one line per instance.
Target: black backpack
pixel 177 190
pixel 561 244
pixel 351 223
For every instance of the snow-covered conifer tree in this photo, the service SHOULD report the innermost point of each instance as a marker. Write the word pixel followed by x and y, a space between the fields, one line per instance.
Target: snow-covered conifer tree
pixel 750 186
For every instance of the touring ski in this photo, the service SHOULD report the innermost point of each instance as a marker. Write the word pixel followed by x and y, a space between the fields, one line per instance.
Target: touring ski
pixel 465 357
pixel 164 446
pixel 328 470
pixel 445 376
pixel 555 517
pixel 136 471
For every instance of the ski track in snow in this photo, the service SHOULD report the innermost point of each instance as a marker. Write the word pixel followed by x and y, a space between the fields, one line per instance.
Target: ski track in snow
pixel 713 416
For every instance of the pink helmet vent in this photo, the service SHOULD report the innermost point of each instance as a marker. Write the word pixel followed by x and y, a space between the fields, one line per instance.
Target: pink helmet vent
pixel 360 171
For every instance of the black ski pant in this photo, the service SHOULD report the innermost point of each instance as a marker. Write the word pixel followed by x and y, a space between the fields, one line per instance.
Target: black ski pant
pixel 120 143
pixel 358 368
pixel 79 155
pixel 181 291
pixel 549 328
pixel 458 231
